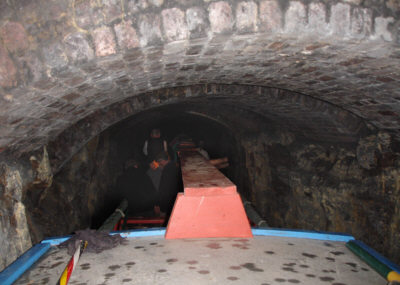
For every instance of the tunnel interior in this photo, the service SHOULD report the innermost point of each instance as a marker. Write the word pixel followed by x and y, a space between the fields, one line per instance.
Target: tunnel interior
pixel 127 139
pixel 301 96
pixel 300 161
pixel 302 171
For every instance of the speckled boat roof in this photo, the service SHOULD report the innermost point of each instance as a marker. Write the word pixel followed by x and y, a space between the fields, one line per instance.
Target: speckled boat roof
pixel 258 260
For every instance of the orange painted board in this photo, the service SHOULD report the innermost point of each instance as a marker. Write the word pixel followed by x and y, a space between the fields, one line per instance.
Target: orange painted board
pixel 208 216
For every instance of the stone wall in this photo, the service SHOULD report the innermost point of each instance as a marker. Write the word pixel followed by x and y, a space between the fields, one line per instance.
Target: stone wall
pixel 77 196
pixel 329 188
pixel 14 234
pixel 35 204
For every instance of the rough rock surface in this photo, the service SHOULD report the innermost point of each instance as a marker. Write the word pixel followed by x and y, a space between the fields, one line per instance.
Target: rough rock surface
pixel 76 195
pixel 329 188
pixel 14 234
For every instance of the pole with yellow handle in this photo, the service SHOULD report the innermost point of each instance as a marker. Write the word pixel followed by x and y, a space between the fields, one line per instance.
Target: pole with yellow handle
pixel 376 263
pixel 80 245
pixel 72 263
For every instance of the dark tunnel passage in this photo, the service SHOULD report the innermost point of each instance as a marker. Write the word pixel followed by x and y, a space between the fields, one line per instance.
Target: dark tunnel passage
pixel 127 139
pixel 123 141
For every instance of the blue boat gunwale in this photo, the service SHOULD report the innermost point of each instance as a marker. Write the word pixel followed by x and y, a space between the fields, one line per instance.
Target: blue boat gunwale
pixel 378 256
pixel 23 263
pixel 330 236
pixel 256 231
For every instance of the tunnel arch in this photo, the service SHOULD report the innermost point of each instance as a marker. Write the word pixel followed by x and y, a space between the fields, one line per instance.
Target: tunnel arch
pixel 336 124
pixel 72 59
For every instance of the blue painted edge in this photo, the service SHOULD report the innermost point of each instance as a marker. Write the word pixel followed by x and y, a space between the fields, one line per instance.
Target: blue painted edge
pixel 55 240
pixel 256 231
pixel 127 234
pixel 141 233
pixel 378 256
pixel 23 263
pixel 303 234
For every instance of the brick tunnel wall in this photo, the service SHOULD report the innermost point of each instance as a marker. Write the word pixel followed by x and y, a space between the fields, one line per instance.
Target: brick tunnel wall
pixel 70 69
pixel 64 60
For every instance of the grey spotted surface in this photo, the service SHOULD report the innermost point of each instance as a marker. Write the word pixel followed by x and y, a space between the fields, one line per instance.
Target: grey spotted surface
pixel 258 260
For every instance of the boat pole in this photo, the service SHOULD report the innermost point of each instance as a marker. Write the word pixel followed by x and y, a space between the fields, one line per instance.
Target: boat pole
pixel 378 264
pixel 113 219
pixel 253 215
pixel 108 225
pixel 72 263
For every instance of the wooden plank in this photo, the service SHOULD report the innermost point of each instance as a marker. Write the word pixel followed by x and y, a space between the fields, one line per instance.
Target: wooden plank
pixel 200 177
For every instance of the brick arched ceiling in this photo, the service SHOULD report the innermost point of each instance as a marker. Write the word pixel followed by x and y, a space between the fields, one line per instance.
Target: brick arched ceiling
pixel 70 69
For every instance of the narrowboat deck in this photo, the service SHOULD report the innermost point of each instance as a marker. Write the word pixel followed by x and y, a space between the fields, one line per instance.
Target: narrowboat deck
pixel 258 260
